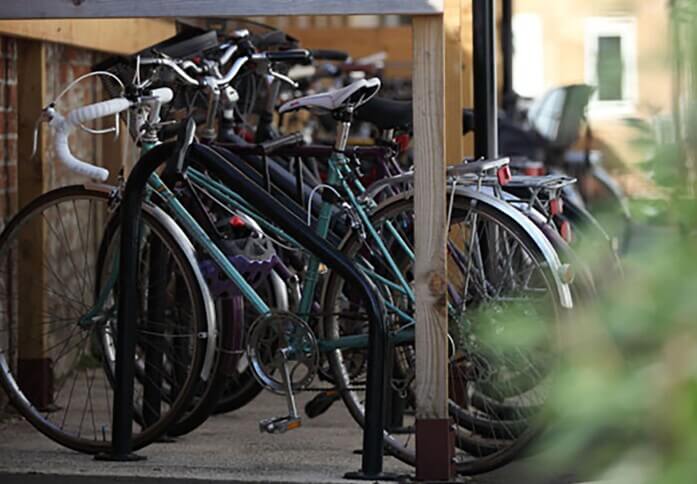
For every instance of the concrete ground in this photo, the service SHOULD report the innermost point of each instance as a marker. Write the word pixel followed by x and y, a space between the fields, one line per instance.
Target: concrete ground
pixel 228 448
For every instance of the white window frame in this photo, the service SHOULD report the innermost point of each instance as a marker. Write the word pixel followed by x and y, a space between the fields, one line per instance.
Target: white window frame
pixel 625 28
pixel 528 55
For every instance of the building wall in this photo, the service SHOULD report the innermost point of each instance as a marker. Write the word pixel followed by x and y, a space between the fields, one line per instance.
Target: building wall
pixel 564 33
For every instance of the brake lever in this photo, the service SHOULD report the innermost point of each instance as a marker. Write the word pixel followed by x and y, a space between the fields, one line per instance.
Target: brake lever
pixel 46 116
pixel 283 77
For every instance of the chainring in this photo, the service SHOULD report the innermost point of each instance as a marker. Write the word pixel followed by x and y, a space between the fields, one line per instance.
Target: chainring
pixel 269 337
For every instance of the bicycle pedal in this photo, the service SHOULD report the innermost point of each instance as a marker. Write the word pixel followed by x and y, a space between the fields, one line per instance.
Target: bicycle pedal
pixel 279 425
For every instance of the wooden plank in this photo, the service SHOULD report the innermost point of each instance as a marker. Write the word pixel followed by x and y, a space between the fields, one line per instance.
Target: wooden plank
pixel 34 373
pixel 117 36
pixel 36 9
pixel 467 77
pixel 429 183
pixel 453 82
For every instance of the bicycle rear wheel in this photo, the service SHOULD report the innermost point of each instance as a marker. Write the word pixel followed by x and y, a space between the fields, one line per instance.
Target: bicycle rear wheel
pixel 57 357
pixel 497 393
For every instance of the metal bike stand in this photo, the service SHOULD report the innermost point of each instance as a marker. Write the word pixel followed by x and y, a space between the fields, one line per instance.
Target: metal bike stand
pixel 131 213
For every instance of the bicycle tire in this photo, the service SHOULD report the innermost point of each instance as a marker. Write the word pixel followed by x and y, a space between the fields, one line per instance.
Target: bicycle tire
pixel 39 418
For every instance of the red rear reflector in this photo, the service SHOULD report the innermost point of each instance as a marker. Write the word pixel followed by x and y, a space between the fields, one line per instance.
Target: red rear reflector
pixel 565 231
pixel 556 206
pixel 504 175
pixel 237 222
pixel 534 170
pixel 403 142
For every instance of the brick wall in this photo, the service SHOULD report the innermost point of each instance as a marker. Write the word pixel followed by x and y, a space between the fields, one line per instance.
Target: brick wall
pixel 64 64
pixel 8 126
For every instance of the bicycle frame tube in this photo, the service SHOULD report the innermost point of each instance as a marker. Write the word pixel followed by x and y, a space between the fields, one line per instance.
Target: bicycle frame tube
pixel 233 199
pixel 322 230
pixel 191 226
pixel 183 217
pixel 371 229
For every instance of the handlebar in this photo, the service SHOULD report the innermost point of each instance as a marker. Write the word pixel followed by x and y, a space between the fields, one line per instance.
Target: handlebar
pixel 297 56
pixel 292 55
pixel 330 55
pixel 64 125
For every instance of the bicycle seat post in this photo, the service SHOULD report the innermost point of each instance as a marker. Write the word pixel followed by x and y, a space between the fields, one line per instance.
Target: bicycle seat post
pixel 344 116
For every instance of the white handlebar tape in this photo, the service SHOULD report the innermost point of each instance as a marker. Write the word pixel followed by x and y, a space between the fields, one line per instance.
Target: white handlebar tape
pixel 163 94
pixel 97 110
pixel 63 126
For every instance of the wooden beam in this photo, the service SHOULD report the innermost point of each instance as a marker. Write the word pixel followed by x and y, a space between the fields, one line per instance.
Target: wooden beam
pixel 467 77
pixel 36 9
pixel 34 366
pixel 434 445
pixel 453 82
pixel 117 36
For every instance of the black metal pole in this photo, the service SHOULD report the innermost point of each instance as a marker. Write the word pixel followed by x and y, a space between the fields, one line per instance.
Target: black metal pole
pixel 131 213
pixel 484 60
pixel 507 55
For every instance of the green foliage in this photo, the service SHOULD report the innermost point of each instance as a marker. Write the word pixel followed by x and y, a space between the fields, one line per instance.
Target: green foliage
pixel 626 398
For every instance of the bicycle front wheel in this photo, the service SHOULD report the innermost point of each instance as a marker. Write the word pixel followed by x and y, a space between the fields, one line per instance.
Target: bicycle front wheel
pixel 58 300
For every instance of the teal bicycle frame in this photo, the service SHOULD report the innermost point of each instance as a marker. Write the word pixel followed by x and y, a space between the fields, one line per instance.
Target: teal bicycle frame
pixel 338 169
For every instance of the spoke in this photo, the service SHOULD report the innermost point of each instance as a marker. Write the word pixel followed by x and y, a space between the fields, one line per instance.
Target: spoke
pixel 69 247
pixel 78 273
pixel 72 389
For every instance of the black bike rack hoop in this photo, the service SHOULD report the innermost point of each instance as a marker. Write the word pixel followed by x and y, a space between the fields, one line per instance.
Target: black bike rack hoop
pixel 131 213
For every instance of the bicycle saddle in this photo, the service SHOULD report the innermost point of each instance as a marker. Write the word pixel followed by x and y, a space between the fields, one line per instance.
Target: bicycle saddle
pixel 386 113
pixel 356 94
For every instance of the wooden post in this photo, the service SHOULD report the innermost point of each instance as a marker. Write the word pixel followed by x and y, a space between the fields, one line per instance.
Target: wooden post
pixel 434 437
pixel 454 147
pixel 34 371
pixel 467 68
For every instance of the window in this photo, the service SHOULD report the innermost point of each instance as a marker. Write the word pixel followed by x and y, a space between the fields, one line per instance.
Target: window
pixel 611 65
pixel 528 58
